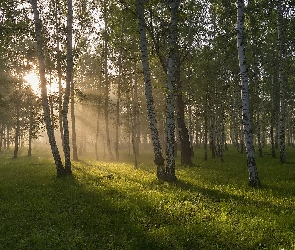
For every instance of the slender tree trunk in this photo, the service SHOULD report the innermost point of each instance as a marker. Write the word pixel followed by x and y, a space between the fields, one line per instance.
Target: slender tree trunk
pixel 73 118
pixel 30 128
pixel 272 122
pixel 50 97
pixel 119 94
pixel 282 86
pixel 235 119
pixel 17 127
pixel 259 134
pixel 171 85
pixel 253 173
pixel 135 120
pixel 65 110
pixel 222 134
pixel 211 137
pixel 258 123
pixel 96 138
pixel 99 89
pixel 186 152
pixel 7 137
pixel 49 128
pixel 59 73
pixel 190 128
pixel 107 84
pixel 159 160
pixel 1 136
pixel 277 135
pixel 206 123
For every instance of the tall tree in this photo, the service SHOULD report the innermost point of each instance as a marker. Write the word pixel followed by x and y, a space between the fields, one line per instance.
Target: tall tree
pixel 119 91
pixel 107 83
pixel 282 85
pixel 253 173
pixel 159 160
pixel 65 109
pixel 171 83
pixel 50 130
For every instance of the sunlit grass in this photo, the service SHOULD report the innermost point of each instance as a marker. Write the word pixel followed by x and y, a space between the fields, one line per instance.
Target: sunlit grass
pixel 110 205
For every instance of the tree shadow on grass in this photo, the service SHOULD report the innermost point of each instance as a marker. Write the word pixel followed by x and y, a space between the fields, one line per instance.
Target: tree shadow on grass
pixel 90 212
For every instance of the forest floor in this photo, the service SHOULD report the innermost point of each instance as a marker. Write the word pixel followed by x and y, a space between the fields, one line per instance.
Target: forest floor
pixel 107 205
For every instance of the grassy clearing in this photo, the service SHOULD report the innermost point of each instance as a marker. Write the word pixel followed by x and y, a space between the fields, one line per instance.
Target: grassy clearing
pixel 112 206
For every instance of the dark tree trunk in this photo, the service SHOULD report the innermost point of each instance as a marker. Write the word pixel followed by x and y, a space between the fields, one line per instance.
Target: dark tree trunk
pixel 1 136
pixel 186 152
pixel 30 131
pixel 282 86
pixel 17 130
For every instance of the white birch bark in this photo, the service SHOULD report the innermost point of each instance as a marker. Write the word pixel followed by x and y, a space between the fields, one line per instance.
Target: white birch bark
pixel 65 110
pixel 50 130
pixel 253 174
pixel 58 66
pixel 282 86
pixel 171 83
pixel 159 160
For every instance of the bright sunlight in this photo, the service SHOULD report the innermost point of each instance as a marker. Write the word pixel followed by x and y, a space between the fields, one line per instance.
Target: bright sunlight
pixel 33 80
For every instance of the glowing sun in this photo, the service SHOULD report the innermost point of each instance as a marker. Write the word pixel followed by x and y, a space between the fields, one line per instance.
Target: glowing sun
pixel 33 80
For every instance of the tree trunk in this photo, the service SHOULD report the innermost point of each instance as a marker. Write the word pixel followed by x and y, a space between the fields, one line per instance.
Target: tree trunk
pixel 30 128
pixel 65 109
pixel 159 160
pixel 1 136
pixel 73 118
pixel 171 85
pixel 17 126
pixel 282 86
pixel 96 138
pixel 258 123
pixel 59 73
pixel 253 173
pixel 7 137
pixel 119 94
pixel 186 152
pixel 99 90
pixel 50 130
pixel 135 120
pixel 107 84
pixel 206 131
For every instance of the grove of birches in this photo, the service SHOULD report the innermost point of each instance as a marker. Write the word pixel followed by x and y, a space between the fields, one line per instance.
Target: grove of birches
pixel 166 76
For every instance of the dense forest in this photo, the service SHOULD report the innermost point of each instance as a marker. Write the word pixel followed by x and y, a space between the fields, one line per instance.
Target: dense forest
pixel 172 76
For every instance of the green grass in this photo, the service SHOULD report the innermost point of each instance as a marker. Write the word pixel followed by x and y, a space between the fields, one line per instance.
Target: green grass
pixel 209 207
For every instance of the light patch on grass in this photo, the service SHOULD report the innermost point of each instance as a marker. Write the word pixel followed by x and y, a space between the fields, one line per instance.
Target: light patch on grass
pixel 108 205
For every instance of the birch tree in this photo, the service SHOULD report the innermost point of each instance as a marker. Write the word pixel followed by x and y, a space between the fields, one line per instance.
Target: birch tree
pixel 282 85
pixel 159 160
pixel 50 130
pixel 107 83
pixel 65 109
pixel 252 169
pixel 171 83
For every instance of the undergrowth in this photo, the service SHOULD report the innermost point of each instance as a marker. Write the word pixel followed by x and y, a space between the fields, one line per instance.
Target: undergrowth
pixel 107 205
